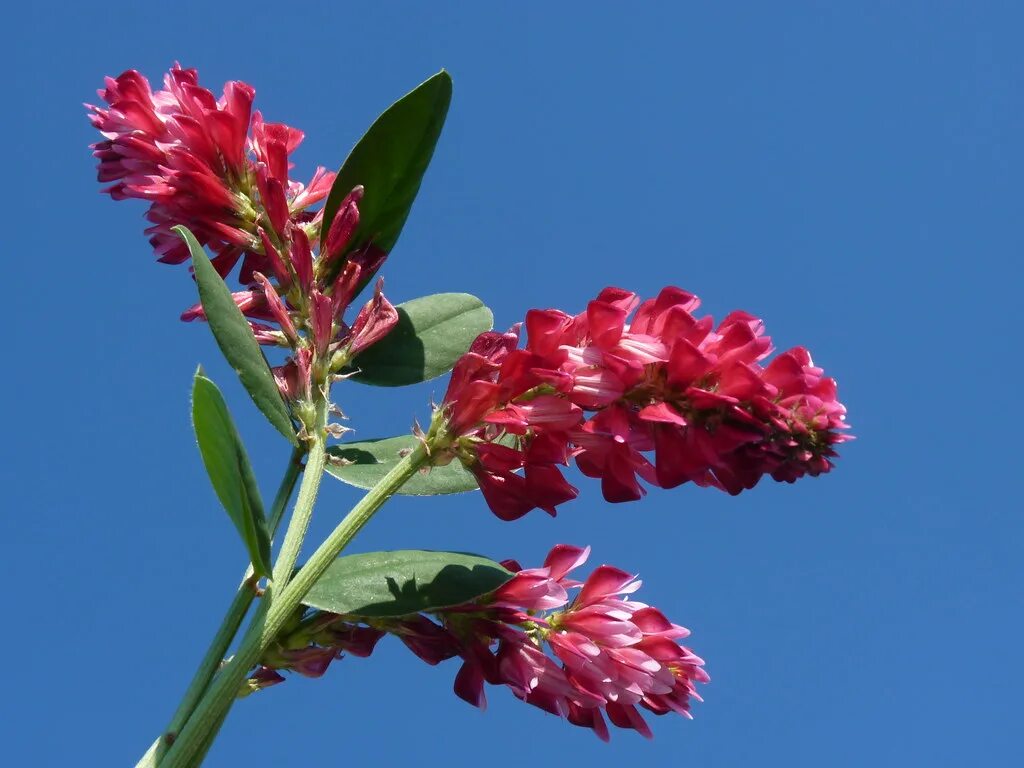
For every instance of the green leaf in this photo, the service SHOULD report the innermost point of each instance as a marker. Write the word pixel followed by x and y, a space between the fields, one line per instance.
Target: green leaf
pixel 403 582
pixel 228 466
pixel 372 459
pixel 432 333
pixel 389 161
pixel 235 339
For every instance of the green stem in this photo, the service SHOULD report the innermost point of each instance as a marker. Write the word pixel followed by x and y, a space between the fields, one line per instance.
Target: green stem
pixel 214 654
pixel 232 619
pixel 284 491
pixel 299 524
pixel 208 742
pixel 274 612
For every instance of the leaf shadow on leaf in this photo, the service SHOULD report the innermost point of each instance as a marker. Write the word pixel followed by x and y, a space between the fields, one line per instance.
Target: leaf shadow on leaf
pixel 364 463
pixel 353 455
pixel 410 597
pixel 414 353
pixel 396 591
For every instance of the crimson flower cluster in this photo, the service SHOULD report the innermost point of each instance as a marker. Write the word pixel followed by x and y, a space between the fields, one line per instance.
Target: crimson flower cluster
pixel 216 167
pixel 193 157
pixel 605 390
pixel 597 654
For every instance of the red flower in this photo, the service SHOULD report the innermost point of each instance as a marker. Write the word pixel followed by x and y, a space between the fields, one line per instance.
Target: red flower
pixel 310 650
pixel 495 392
pixel 191 156
pixel 608 654
pixel 610 392
pixel 307 309
pixel 598 653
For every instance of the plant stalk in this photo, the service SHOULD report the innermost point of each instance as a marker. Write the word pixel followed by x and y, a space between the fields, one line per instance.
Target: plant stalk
pixel 301 516
pixel 229 625
pixel 279 604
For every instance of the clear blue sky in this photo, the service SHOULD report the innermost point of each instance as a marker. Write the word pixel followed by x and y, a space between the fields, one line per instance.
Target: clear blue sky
pixel 850 172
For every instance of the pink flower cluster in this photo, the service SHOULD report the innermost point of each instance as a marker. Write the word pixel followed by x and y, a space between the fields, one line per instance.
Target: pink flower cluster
pixel 193 157
pixel 216 167
pixel 498 390
pixel 607 390
pixel 598 653
pixel 303 293
pixel 310 650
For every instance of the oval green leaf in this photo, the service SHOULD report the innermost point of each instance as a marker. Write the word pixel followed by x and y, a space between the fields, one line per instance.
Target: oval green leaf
pixel 370 460
pixel 389 162
pixel 432 333
pixel 402 582
pixel 235 339
pixel 229 469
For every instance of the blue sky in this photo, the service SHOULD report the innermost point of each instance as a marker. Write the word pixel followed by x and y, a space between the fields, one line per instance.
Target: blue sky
pixel 849 172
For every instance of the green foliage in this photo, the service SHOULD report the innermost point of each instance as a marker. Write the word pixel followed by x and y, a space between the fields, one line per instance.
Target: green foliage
pixel 402 582
pixel 235 339
pixel 431 334
pixel 372 459
pixel 228 466
pixel 389 162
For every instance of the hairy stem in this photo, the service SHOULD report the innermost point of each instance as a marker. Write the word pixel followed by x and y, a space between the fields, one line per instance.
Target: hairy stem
pixel 299 524
pixel 279 604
